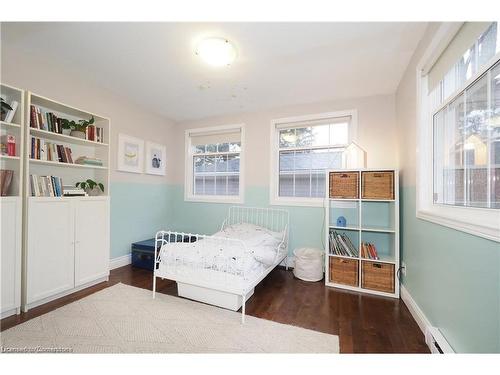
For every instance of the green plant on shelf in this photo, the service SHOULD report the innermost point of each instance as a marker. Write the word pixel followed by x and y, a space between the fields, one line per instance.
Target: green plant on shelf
pixel 79 126
pixel 89 185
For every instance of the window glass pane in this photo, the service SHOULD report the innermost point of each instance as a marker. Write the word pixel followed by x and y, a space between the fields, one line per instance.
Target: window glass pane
pixel 211 148
pixel 235 147
pixel 209 185
pixel 318 184
pixel 233 163
pixel 439 156
pixel 223 147
pixel 494 129
pixel 199 149
pixel 487 45
pixel 339 134
pixel 210 163
pixel 318 135
pixel 286 160
pixel 476 150
pixel 221 185
pixel 199 164
pixel 286 185
pixel 288 138
pixel 221 163
pixel 302 182
pixel 198 185
pixel 233 185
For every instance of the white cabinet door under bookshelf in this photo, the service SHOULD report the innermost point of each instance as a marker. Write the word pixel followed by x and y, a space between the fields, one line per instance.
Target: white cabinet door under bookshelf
pixel 91 239
pixel 10 254
pixel 50 253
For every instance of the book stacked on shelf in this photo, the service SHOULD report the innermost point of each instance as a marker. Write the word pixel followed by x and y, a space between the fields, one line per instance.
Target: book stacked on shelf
pixel 369 251
pixel 40 119
pixel 341 244
pixel 85 160
pixel 72 191
pixel 8 116
pixel 46 186
pixel 94 133
pixel 43 150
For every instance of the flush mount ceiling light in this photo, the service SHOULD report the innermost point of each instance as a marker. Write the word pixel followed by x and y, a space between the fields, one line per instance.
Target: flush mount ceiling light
pixel 216 51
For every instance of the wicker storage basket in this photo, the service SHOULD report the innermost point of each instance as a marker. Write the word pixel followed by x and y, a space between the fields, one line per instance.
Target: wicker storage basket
pixel 377 185
pixel 344 185
pixel 344 271
pixel 377 276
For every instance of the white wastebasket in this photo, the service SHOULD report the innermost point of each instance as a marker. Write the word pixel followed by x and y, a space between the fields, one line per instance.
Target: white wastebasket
pixel 308 264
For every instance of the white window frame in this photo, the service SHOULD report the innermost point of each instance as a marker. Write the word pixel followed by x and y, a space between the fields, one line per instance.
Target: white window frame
pixel 482 222
pixel 189 195
pixel 275 199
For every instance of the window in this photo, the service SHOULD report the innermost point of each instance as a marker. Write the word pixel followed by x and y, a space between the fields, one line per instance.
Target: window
pixel 214 164
pixel 458 170
pixel 303 149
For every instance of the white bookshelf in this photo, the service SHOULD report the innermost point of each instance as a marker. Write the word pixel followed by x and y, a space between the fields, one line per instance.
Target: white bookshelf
pixel 72 252
pixel 367 220
pixel 11 207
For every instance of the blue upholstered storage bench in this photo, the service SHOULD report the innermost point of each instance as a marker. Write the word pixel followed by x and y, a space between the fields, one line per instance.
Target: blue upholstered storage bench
pixel 143 252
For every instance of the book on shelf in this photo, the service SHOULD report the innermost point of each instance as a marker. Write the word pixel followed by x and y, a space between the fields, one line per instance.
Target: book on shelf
pixel 43 150
pixel 369 251
pixel 73 191
pixel 341 244
pixel 46 186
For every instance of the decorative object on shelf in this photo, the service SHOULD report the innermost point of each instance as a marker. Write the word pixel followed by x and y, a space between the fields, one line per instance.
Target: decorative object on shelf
pixel 130 154
pixel 85 160
pixel 91 187
pixel 155 158
pixel 78 129
pixel 354 156
pixel 341 221
pixel 5 180
pixel 4 109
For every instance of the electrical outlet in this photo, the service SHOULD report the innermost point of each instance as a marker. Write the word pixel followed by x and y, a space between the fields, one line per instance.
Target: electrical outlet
pixel 403 269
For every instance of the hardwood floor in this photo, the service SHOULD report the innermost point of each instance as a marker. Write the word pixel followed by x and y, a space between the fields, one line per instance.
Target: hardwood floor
pixel 364 323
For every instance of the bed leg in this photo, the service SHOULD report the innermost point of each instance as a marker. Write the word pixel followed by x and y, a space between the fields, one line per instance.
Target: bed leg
pixel 286 264
pixel 154 285
pixel 243 310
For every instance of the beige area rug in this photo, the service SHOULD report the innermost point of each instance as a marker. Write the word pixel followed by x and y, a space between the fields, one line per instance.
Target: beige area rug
pixel 125 319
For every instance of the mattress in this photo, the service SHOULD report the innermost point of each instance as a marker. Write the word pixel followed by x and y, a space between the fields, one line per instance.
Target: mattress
pixel 240 251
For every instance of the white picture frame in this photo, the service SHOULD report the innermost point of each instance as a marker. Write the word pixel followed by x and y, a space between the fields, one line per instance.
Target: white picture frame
pixel 130 154
pixel 155 160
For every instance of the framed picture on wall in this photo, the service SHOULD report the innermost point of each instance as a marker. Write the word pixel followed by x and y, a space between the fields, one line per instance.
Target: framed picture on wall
pixel 155 158
pixel 130 154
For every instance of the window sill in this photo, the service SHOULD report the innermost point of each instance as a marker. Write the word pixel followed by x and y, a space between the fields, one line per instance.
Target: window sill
pixel 300 202
pixel 215 199
pixel 491 233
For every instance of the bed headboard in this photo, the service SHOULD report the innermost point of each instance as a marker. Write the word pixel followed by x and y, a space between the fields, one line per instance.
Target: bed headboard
pixel 276 220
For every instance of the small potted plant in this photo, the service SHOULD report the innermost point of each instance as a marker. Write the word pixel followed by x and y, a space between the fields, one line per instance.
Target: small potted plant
pixel 77 128
pixel 4 108
pixel 91 187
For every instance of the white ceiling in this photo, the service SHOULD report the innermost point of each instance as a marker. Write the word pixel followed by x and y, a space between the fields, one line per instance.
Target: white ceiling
pixel 278 63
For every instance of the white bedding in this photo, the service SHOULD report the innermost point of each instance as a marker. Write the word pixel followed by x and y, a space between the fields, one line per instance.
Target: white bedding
pixel 211 254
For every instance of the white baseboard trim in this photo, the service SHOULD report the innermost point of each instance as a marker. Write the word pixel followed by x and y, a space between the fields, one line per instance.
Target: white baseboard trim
pixel 415 311
pixel 120 261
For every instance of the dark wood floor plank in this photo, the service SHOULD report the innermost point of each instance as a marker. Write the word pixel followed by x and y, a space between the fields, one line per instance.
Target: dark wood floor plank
pixel 364 323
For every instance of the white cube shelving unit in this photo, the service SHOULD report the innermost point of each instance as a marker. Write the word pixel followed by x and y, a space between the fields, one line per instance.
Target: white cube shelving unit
pixel 367 220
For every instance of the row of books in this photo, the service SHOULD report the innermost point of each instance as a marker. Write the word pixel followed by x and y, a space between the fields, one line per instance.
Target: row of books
pixel 46 186
pixel 340 244
pixel 43 150
pixel 40 119
pixel 369 251
pixel 52 186
pixel 49 121
pixel 9 115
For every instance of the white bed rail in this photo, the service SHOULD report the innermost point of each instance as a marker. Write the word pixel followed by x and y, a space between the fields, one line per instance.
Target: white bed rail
pixel 231 255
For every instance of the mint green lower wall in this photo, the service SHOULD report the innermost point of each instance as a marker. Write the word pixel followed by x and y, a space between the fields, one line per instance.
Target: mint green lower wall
pixel 137 212
pixel 306 223
pixel 455 279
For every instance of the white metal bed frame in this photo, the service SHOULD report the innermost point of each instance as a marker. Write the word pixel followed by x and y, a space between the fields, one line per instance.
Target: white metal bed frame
pixel 276 220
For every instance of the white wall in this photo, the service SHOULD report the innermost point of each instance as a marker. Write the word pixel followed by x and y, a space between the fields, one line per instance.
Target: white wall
pixel 376 133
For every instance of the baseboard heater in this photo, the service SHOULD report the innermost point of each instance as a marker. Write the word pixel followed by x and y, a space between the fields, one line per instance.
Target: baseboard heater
pixel 437 342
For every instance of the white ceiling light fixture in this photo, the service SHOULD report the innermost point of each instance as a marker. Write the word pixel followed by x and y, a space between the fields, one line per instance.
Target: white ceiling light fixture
pixel 216 51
